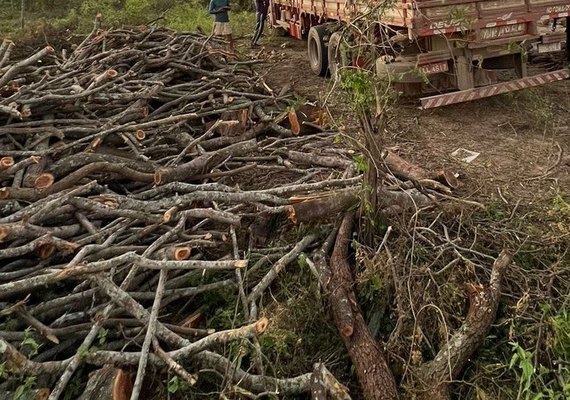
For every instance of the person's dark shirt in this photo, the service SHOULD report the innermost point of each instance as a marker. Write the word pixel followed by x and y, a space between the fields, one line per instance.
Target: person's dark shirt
pixel 214 9
pixel 261 6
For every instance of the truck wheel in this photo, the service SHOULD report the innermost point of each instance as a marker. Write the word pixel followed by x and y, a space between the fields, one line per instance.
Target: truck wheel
pixel 317 49
pixel 335 56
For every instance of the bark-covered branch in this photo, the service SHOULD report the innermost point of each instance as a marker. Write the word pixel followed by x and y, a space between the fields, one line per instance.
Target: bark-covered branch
pixel 436 375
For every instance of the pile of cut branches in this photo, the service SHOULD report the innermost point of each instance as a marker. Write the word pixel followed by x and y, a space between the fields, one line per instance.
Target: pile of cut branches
pixel 139 173
pixel 144 172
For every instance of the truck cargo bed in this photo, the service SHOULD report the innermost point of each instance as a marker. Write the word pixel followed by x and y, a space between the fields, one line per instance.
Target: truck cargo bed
pixel 429 17
pixel 431 46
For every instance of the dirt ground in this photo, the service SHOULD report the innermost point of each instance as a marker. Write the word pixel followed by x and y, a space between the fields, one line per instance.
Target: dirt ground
pixel 523 138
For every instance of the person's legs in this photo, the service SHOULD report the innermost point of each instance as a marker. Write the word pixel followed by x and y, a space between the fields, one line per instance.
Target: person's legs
pixel 256 32
pixel 263 18
pixel 217 31
pixel 227 32
pixel 259 25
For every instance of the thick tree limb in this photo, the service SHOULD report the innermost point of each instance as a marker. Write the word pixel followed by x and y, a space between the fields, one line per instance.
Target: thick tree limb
pixel 436 375
pixel 406 170
pixel 371 367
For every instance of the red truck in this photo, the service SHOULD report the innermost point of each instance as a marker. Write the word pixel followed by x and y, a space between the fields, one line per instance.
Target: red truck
pixel 462 48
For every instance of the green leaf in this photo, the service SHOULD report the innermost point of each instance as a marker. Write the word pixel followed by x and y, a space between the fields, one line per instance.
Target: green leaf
pixel 102 335
pixel 82 351
pixel 361 163
pixel 29 341
pixel 25 387
pixel 173 385
pixel 19 392
pixel 302 261
pixel 545 307
pixel 528 369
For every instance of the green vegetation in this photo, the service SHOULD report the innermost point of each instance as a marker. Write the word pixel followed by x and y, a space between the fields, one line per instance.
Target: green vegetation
pixel 300 333
pixel 23 385
pixel 526 355
pixel 528 375
pixel 460 17
pixel 533 102
pixel 193 15
pixel 177 385
pixel 43 18
pixel 25 388
pixel 29 346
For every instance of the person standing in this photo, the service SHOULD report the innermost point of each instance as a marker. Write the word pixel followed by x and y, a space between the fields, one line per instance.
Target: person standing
pixel 261 8
pixel 219 9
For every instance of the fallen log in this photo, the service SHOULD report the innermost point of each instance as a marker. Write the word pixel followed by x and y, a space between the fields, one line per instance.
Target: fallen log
pixel 435 376
pixel 321 206
pixel 327 205
pixel 408 171
pixel 372 369
pixel 326 386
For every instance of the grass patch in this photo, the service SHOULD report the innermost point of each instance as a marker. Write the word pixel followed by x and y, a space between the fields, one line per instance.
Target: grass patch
pixel 78 19
pixel 300 332
pixel 532 102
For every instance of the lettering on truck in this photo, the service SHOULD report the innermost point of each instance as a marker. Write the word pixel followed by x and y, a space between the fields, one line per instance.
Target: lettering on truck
pixel 502 31
pixel 557 9
pixel 444 25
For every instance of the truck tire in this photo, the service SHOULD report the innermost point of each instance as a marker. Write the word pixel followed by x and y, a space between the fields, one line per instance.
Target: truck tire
pixel 335 56
pixel 317 49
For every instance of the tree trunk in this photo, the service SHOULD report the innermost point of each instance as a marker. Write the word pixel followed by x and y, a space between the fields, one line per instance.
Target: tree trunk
pixel 374 144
